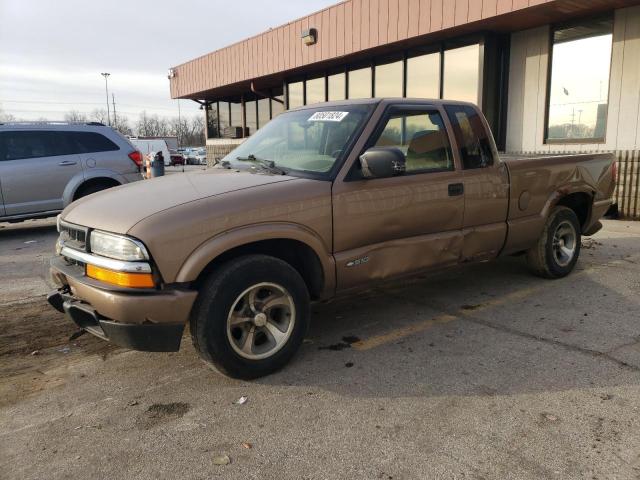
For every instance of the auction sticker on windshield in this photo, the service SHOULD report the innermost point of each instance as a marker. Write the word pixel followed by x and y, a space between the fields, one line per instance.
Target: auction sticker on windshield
pixel 328 116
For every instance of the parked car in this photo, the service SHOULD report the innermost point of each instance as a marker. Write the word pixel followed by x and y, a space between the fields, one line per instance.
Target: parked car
pixel 176 158
pixel 325 199
pixel 44 166
pixel 195 156
pixel 148 147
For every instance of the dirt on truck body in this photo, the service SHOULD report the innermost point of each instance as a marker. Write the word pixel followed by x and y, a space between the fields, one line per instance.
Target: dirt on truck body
pixel 323 200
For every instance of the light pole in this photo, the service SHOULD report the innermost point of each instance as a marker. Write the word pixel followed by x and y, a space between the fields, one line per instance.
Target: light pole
pixel 106 89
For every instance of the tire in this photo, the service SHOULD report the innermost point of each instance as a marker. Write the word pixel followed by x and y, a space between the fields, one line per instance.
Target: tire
pixel 234 301
pixel 94 188
pixel 558 248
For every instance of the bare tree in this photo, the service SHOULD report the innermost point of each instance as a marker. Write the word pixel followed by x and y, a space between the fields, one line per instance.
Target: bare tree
pixel 121 124
pixel 99 115
pixel 6 117
pixel 75 116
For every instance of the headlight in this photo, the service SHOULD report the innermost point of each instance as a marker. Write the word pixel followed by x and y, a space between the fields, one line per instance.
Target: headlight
pixel 117 246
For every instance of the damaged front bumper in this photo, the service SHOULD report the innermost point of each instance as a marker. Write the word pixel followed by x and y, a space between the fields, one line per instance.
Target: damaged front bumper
pixel 148 320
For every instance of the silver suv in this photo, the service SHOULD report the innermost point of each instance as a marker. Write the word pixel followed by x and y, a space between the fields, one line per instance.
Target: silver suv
pixel 44 166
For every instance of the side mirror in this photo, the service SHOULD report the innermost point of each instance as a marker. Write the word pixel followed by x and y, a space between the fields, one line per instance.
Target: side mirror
pixel 382 162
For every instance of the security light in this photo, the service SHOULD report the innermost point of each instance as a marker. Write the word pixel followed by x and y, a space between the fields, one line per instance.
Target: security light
pixel 309 36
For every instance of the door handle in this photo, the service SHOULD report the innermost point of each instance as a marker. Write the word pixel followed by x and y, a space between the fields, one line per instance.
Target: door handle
pixel 66 163
pixel 456 189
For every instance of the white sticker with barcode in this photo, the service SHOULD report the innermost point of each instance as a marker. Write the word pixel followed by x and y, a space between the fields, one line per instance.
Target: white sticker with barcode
pixel 328 116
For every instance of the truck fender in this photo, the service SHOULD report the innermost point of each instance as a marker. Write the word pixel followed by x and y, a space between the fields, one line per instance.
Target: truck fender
pixel 81 177
pixel 208 251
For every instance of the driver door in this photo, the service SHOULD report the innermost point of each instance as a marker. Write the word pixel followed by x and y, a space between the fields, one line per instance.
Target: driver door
pixel 387 227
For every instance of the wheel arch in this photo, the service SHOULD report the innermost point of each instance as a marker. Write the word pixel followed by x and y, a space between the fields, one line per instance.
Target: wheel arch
pixel 294 244
pixel 83 180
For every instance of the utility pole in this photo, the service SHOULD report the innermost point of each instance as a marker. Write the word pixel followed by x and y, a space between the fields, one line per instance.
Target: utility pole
pixel 115 121
pixel 106 89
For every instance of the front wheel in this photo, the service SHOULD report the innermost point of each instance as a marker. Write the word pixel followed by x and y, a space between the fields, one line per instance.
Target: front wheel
pixel 251 316
pixel 558 248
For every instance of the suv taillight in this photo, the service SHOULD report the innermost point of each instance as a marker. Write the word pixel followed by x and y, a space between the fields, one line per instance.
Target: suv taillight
pixel 614 171
pixel 136 157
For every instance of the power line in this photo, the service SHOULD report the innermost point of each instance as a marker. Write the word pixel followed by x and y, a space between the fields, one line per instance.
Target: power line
pixel 87 103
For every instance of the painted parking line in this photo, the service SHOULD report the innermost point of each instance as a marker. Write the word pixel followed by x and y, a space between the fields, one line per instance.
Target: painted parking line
pixel 422 325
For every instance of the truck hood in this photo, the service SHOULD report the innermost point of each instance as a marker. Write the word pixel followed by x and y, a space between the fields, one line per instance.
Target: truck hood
pixel 118 209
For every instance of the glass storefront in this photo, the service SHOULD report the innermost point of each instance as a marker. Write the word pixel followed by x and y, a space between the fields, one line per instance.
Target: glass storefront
pixel 421 73
pixel 579 90
pixel 388 80
pixel 423 76
pixel 461 77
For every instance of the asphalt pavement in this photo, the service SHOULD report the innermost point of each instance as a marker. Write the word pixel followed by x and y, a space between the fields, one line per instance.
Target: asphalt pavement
pixel 481 372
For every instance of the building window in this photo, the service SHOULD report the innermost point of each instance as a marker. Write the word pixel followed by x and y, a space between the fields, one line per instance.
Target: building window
pixel 295 94
pixel 315 91
pixel 264 114
pixel 388 80
pixel 277 107
pixel 337 87
pixel 212 121
pixel 251 117
pixel 225 121
pixel 461 78
pixel 579 87
pixel 423 76
pixel 236 114
pixel 360 83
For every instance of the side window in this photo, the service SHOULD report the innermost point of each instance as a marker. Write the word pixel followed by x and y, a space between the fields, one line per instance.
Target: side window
pixel 472 137
pixel 90 142
pixel 19 145
pixel 422 137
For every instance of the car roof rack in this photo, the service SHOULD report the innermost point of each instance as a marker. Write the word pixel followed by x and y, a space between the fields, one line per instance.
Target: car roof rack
pixel 36 122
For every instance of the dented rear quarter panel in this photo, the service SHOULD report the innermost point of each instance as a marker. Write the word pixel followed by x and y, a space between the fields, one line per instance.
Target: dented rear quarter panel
pixel 538 183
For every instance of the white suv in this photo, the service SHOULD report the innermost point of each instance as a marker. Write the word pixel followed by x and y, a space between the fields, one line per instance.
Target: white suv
pixel 44 166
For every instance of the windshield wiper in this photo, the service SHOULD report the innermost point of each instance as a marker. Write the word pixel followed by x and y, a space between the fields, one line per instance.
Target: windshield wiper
pixel 268 165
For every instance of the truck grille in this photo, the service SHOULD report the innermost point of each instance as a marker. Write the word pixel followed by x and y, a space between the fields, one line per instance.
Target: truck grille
pixel 73 236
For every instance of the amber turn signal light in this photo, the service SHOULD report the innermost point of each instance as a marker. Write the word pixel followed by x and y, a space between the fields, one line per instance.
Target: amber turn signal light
pixel 122 279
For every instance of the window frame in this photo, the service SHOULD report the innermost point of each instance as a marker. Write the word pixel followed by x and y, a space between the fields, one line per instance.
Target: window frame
pixel 552 30
pixel 393 110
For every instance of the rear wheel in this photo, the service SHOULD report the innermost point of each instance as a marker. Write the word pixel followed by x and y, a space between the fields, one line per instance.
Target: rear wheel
pixel 251 316
pixel 558 248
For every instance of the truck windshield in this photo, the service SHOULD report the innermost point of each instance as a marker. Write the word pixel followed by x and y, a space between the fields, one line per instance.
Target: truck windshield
pixel 309 140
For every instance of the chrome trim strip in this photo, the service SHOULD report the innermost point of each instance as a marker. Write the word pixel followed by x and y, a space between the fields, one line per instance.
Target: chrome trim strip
pixel 104 262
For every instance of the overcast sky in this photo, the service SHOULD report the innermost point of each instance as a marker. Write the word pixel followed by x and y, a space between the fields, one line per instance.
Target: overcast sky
pixel 53 51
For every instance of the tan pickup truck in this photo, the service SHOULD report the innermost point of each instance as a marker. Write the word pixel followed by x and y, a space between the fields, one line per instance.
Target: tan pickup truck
pixel 323 200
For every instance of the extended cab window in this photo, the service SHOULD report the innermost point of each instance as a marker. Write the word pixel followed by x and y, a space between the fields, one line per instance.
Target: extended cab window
pixel 472 137
pixel 422 137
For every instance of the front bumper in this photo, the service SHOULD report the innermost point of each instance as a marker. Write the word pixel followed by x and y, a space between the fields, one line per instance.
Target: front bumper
pixel 140 319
